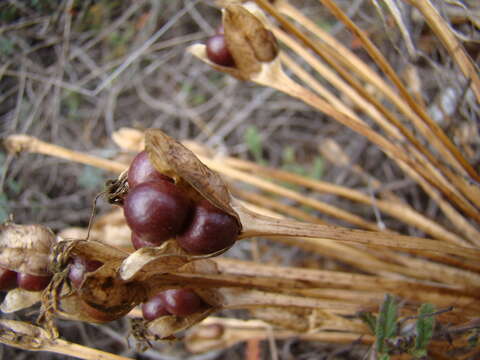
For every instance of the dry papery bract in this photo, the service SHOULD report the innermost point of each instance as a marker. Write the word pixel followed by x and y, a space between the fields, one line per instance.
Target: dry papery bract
pixel 26 248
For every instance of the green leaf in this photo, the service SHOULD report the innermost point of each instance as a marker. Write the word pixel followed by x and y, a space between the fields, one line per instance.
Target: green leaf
pixel 418 353
pixel 425 326
pixel 384 357
pixel 386 326
pixel 369 319
pixel 254 140
pixel 318 168
pixel 288 155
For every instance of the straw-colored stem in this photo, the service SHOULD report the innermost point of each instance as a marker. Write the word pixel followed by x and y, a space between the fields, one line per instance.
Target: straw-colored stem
pixel 450 41
pixel 19 143
pixel 277 79
pixel 269 203
pixel 402 212
pixel 377 111
pixel 199 339
pixel 82 352
pixel 258 225
pixel 269 276
pixel 458 220
pixel 427 10
pixel 387 264
pixel 280 190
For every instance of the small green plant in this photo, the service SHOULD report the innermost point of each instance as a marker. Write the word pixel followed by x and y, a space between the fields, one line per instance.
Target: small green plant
pixel 387 326
pixel 253 140
pixel 291 164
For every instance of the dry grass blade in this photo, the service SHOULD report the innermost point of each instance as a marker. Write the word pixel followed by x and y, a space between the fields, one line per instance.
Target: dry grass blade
pixel 384 65
pixel 219 333
pixel 267 227
pixel 400 211
pixel 379 113
pixel 296 279
pixel 427 172
pixel 19 143
pixel 454 47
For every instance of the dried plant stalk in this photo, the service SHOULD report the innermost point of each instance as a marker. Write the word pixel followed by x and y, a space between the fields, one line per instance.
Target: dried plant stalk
pixel 258 225
pixel 385 263
pixel 402 212
pixel 388 70
pixel 29 337
pixel 19 143
pixel 378 112
pixel 220 333
pixel 454 47
pixel 438 180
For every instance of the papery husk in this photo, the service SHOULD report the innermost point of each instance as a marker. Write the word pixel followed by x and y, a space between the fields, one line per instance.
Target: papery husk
pixel 247 39
pixel 146 261
pixel 72 307
pixel 105 291
pixel 173 159
pixel 102 296
pixel 166 326
pixel 26 248
pixel 87 249
pixel 19 299
pixel 251 44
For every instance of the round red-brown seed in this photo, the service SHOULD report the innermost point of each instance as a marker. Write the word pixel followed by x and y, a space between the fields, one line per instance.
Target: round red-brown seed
pixel 32 282
pixel 141 170
pixel 8 279
pixel 217 51
pixel 156 211
pixel 182 302
pixel 154 308
pixel 79 267
pixel 138 242
pixel 210 230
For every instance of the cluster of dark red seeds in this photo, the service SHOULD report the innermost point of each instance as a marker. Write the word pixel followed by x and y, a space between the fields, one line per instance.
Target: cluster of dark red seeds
pixel 179 302
pixel 157 210
pixel 10 280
